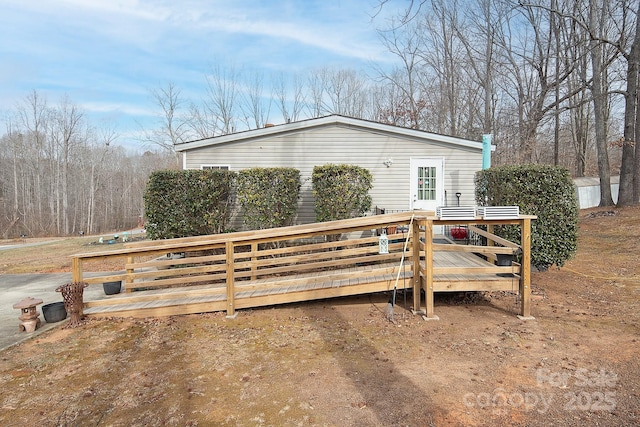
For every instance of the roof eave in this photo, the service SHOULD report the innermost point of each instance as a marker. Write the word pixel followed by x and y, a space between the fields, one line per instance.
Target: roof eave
pixel 323 121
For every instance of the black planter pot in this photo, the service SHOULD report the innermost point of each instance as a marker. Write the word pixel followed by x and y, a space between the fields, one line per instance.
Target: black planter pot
pixel 54 312
pixel 111 288
pixel 505 260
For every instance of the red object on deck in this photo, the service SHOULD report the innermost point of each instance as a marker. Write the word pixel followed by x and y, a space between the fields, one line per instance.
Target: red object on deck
pixel 459 233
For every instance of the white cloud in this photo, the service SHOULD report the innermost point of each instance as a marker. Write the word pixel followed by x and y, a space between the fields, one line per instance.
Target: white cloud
pixel 107 54
pixel 120 108
pixel 329 30
pixel 151 11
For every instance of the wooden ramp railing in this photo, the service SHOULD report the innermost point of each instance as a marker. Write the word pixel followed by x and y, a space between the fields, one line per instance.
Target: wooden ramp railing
pixel 239 270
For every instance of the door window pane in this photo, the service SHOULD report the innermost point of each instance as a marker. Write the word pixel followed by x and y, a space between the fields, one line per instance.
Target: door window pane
pixel 426 183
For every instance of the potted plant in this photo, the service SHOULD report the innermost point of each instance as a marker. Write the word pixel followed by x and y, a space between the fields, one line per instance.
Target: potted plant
pixel 111 288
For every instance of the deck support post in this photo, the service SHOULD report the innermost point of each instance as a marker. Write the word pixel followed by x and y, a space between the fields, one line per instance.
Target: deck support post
pixel 231 291
pixel 428 261
pixel 525 269
pixel 415 243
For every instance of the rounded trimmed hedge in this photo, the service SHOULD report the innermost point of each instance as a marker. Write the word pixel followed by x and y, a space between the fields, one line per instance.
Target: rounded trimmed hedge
pixel 268 197
pixel 341 191
pixel 181 203
pixel 542 190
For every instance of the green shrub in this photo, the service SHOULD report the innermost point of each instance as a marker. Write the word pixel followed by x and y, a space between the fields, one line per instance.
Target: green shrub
pixel 541 190
pixel 341 191
pixel 188 203
pixel 268 197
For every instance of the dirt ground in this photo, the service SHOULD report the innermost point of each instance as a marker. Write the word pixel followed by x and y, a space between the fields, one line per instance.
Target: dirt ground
pixel 340 362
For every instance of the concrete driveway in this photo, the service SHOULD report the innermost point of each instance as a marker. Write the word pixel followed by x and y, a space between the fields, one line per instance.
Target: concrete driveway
pixel 15 287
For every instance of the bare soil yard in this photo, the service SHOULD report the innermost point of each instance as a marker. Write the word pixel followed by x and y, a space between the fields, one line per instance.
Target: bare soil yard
pixel 342 363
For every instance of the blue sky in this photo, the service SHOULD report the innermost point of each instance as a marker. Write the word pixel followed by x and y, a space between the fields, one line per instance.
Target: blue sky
pixel 106 55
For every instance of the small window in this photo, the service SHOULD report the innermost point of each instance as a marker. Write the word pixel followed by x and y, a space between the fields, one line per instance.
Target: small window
pixel 217 167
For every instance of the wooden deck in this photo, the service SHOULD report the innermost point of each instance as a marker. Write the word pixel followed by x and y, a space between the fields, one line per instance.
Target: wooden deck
pixel 303 263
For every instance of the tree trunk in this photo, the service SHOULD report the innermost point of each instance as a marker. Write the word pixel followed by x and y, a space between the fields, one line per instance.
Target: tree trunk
pixel 604 171
pixel 556 127
pixel 65 195
pixel 91 206
pixel 16 215
pixel 629 185
pixel 636 167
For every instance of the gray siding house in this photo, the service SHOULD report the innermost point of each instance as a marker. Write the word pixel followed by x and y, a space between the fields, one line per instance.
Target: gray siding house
pixel 412 169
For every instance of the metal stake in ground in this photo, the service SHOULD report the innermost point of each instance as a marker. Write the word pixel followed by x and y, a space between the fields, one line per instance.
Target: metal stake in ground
pixel 392 301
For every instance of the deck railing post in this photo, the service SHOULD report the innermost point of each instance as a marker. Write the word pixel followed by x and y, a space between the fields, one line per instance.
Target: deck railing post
pixel 254 258
pixel 76 268
pixel 231 291
pixel 490 230
pixel 128 280
pixel 428 260
pixel 525 269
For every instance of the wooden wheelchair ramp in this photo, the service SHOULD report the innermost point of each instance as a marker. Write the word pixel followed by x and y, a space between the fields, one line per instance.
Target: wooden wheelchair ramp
pixel 249 294
pixel 300 263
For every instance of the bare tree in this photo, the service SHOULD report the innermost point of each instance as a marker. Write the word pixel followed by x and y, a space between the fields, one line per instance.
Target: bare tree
pixel 406 105
pixel 67 133
pixel 315 97
pixel 434 47
pixel 513 68
pixel 345 93
pixel 572 41
pixel 339 91
pixel 478 40
pixel 527 46
pixel 14 141
pixel 580 108
pixel 202 123
pixel 223 90
pixel 254 106
pixel 290 101
pixel 172 124
pixel 596 16
pixel 606 23
pixel 35 120
pixel 629 192
pixel 58 175
pixel 445 61
pixel 98 165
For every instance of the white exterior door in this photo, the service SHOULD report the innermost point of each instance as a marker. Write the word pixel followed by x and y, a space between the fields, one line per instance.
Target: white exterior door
pixel 427 183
